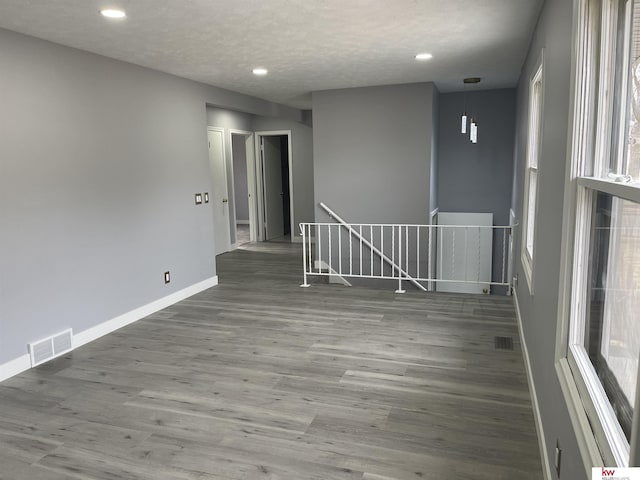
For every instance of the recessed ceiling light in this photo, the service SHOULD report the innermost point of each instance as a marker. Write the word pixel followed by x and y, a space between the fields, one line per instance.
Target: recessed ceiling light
pixel 424 56
pixel 260 71
pixel 110 13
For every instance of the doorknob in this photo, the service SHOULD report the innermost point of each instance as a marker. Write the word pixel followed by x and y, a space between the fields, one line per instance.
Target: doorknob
pixel 225 200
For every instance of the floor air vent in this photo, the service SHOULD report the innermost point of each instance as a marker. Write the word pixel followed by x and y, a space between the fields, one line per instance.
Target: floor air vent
pixel 503 343
pixel 48 348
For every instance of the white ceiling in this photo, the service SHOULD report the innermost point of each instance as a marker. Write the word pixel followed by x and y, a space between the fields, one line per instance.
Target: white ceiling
pixel 307 45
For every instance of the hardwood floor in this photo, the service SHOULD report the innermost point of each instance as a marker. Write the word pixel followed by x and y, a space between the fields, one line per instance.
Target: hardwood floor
pixel 258 378
pixel 243 234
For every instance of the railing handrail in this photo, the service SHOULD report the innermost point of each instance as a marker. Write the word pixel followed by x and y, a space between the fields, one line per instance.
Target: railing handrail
pixel 372 247
pixel 415 225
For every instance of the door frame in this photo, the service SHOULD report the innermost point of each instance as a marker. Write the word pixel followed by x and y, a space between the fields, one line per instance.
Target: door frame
pixel 226 180
pixel 260 180
pixel 251 183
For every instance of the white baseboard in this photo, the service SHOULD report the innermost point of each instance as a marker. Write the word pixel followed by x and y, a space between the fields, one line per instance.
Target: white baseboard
pixel 22 363
pixel 120 321
pixel 542 443
pixel 296 239
pixel 234 246
pixel 242 222
pixel 15 366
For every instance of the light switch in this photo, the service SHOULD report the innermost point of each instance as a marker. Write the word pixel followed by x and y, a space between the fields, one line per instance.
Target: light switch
pixel 206 197
pixel 198 198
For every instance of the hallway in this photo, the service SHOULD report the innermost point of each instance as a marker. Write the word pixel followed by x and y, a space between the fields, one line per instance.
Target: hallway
pixel 258 378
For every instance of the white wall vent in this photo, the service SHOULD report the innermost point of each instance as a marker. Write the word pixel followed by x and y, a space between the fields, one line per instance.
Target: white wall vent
pixel 48 348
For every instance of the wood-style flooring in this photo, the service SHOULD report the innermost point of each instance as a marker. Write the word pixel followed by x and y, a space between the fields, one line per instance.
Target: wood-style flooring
pixel 258 378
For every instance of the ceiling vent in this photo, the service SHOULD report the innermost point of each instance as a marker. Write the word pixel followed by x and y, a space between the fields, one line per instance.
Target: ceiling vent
pixel 52 347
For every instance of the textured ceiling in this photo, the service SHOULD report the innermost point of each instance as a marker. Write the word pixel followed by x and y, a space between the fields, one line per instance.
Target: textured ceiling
pixel 307 45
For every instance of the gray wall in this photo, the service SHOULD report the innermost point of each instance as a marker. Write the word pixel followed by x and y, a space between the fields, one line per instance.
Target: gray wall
pixel 241 193
pixel 228 119
pixel 540 311
pixel 96 201
pixel 372 152
pixel 435 150
pixel 302 140
pixel 478 177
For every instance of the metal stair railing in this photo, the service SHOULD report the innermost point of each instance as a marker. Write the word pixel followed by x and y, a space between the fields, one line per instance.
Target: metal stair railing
pixel 373 248
pixel 434 254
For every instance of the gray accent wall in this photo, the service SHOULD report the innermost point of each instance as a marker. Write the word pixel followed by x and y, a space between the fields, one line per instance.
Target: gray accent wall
pixel 540 311
pixel 372 152
pixel 477 178
pixel 97 199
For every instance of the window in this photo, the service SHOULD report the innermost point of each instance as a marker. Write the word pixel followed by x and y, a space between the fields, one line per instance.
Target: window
pixel 603 337
pixel 531 174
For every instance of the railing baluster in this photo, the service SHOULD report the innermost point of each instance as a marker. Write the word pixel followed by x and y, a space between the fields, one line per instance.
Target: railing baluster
pixel 399 290
pixel 360 249
pixel 399 263
pixel 310 248
pixel 439 277
pixel 304 256
pixel 319 246
pixel 406 248
pixel 350 254
pixel 330 259
pixel 504 252
pixel 382 249
pixel 339 250
pixel 453 253
pixel 466 253
pixel 510 264
pixel 430 255
pixel 371 251
pixel 418 251
pixel 479 240
pixel 393 250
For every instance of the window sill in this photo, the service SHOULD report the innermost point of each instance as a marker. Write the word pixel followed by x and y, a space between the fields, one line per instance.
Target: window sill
pixel 527 267
pixel 587 445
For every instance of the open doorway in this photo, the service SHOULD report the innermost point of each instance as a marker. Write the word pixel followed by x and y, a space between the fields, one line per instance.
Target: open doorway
pixel 244 219
pixel 276 186
pixel 241 192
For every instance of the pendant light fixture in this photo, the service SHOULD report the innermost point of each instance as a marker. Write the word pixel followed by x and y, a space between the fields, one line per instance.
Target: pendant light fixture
pixel 473 126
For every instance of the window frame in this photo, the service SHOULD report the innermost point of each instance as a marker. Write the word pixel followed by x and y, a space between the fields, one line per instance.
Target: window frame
pixel 600 438
pixel 532 172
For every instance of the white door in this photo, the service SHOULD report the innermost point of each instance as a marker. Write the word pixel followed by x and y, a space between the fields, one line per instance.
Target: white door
pixel 273 193
pixel 464 253
pixel 219 196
